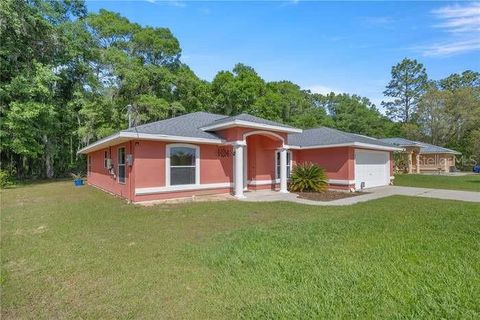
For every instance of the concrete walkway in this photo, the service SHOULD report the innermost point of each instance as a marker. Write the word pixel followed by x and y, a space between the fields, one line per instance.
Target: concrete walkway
pixel 373 193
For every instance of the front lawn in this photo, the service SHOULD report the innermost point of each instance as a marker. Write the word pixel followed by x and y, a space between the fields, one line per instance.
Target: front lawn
pixel 469 182
pixel 80 253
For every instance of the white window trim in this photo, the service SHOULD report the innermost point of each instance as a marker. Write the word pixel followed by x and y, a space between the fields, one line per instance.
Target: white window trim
pixel 277 177
pixel 124 165
pixel 105 159
pixel 167 164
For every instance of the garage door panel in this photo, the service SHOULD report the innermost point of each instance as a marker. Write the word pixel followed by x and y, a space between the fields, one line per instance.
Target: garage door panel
pixel 372 168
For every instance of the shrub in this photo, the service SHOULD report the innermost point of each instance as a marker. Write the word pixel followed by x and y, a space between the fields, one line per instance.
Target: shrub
pixel 308 177
pixel 5 179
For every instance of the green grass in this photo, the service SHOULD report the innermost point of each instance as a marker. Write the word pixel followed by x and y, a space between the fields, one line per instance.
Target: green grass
pixel 80 253
pixel 467 183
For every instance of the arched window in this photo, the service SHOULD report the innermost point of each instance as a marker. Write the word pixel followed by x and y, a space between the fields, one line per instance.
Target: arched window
pixel 182 165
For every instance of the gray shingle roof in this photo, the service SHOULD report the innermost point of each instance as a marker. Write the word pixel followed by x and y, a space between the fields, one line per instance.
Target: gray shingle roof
pixel 401 142
pixel 191 126
pixel 424 147
pixel 327 136
pixel 249 118
pixel 187 125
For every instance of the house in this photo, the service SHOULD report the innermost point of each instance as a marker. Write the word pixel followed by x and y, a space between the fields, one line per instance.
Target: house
pixel 203 153
pixel 423 157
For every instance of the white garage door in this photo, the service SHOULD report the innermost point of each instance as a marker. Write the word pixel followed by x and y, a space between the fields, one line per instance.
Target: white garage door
pixel 371 168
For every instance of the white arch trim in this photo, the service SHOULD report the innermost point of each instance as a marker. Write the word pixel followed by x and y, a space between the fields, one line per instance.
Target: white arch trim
pixel 167 162
pixel 263 132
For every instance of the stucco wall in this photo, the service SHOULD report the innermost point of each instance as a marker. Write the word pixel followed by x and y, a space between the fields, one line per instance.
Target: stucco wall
pixel 100 177
pixel 436 161
pixel 181 194
pixel 149 169
pixel 261 157
pixel 216 165
pixel 337 162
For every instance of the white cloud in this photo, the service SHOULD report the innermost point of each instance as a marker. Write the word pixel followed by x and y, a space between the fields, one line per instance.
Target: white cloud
pixel 318 88
pixel 174 3
pixel 451 48
pixel 378 21
pixel 459 18
pixel 462 22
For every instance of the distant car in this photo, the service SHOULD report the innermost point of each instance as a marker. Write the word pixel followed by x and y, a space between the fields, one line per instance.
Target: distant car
pixel 476 168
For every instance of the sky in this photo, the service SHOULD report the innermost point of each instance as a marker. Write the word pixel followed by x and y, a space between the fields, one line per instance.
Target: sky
pixel 322 46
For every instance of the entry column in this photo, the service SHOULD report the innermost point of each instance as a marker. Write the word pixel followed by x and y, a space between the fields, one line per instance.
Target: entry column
pixel 418 162
pixel 283 170
pixel 410 162
pixel 238 165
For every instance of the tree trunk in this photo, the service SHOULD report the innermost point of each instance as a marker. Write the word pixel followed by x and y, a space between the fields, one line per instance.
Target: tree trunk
pixel 49 172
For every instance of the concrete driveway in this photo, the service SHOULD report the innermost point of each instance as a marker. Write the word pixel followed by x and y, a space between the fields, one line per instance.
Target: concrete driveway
pixel 373 193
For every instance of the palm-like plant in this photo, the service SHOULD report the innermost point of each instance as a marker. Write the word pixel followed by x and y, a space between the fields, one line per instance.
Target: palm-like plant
pixel 308 177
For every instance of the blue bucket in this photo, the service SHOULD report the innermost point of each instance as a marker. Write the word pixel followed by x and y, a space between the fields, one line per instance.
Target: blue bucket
pixel 78 182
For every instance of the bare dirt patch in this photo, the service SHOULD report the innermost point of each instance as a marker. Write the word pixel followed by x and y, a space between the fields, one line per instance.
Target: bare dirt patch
pixel 328 195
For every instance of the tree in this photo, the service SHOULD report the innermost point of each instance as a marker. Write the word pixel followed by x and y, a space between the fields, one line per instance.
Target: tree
pixel 41 64
pixel 31 119
pixel 236 92
pixel 433 118
pixel 67 77
pixel 455 81
pixel 408 83
pixel 356 114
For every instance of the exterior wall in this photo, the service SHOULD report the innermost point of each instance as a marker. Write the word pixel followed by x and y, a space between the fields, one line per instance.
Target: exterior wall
pixel 339 163
pixel 149 164
pixel 149 170
pixel 100 177
pixel 147 175
pixel 151 167
pixel 436 162
pixel 260 148
pixel 272 186
pixel 261 157
pixel 181 194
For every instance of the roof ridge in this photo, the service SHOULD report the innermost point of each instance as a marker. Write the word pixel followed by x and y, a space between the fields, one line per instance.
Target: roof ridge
pixel 343 133
pixel 180 116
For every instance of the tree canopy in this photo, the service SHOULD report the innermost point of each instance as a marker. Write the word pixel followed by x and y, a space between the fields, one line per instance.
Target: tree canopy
pixel 67 77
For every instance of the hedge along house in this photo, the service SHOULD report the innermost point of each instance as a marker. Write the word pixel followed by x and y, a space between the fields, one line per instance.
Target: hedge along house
pixel 202 153
pixel 422 157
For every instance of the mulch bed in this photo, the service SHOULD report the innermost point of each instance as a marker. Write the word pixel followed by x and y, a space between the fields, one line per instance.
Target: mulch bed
pixel 328 195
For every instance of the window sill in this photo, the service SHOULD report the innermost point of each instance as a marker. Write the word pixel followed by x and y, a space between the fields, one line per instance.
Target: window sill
pixel 180 188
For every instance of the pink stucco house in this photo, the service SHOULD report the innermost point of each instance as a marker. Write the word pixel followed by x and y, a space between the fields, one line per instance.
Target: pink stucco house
pixel 202 153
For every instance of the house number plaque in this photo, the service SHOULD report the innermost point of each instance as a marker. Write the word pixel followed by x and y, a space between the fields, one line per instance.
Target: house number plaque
pixel 223 152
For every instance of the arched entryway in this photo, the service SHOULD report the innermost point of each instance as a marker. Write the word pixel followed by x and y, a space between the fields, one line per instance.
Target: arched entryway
pixel 255 162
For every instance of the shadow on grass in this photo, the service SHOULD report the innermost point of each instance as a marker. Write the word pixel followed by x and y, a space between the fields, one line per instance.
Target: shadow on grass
pixel 33 182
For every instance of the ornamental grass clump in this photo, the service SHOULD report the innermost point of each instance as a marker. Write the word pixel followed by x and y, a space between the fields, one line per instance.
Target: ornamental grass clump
pixel 308 177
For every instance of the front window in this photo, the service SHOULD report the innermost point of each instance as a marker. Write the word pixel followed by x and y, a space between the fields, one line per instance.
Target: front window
pixel 121 165
pixel 277 164
pixel 183 164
